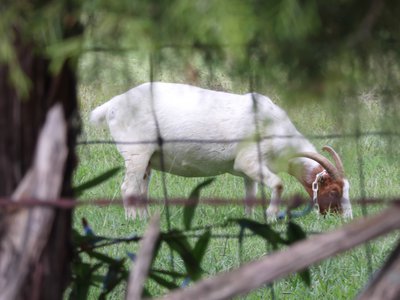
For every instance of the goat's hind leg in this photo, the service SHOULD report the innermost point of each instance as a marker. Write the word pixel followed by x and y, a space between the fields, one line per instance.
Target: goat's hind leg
pixel 251 194
pixel 136 181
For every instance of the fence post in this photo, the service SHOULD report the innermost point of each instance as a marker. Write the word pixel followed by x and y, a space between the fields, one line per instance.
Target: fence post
pixel 22 115
pixel 26 231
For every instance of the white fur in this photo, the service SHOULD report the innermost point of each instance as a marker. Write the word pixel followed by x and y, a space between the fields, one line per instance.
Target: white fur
pixel 346 205
pixel 183 112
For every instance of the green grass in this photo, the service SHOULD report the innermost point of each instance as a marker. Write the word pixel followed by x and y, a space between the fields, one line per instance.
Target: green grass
pixel 375 173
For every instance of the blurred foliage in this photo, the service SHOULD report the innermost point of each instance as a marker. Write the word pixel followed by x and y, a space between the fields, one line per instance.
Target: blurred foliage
pixel 92 268
pixel 300 44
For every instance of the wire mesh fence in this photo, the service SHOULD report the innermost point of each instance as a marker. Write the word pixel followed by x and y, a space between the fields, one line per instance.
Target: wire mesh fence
pixel 359 142
pixel 359 123
pixel 338 82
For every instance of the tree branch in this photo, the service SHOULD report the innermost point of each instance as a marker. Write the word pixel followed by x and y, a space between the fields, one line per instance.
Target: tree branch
pixel 141 268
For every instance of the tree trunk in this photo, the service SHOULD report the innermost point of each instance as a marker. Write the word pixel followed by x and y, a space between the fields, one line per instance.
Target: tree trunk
pixel 21 119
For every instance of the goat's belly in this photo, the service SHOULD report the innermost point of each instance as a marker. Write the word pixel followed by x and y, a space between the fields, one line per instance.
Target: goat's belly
pixel 191 163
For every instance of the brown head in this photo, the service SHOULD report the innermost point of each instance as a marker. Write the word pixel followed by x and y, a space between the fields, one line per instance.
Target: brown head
pixel 332 184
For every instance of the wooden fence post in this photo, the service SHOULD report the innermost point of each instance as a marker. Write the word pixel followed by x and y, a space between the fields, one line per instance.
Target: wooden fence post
pixel 22 115
pixel 26 231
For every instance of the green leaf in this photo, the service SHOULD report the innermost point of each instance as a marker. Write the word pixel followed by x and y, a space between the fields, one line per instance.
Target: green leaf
pixel 201 245
pixel 195 194
pixel 306 277
pixel 189 210
pixel 103 258
pixel 59 52
pixel 146 293
pixel 240 244
pixel 115 274
pixel 262 230
pixel 96 280
pixel 182 247
pixel 86 242
pixel 294 233
pixel 78 190
pixel 81 282
pixel 163 282
pixel 169 273
pixel 84 277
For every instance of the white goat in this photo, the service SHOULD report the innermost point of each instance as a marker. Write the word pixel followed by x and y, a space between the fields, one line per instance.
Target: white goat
pixel 208 133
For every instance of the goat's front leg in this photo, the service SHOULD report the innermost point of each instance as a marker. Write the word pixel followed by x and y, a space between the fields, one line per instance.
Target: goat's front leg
pixel 136 182
pixel 273 208
pixel 244 163
pixel 347 211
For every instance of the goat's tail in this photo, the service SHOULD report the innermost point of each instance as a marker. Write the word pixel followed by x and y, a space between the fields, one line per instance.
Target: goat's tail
pixel 98 115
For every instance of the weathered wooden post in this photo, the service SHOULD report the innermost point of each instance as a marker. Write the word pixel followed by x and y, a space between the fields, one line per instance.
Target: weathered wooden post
pixel 26 231
pixel 22 115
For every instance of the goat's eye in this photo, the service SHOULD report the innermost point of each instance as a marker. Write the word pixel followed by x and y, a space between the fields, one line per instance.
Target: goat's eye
pixel 334 194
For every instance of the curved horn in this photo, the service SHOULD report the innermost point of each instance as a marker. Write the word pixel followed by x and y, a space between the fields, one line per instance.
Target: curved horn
pixel 336 158
pixel 323 161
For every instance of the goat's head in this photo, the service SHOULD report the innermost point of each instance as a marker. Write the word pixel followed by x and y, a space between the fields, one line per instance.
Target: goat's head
pixel 332 184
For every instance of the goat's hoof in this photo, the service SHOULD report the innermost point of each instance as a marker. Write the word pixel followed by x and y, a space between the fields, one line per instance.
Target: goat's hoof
pixel 272 213
pixel 249 212
pixel 281 215
pixel 132 213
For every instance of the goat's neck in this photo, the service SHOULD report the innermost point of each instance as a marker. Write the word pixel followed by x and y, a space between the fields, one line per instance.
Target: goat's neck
pixel 305 171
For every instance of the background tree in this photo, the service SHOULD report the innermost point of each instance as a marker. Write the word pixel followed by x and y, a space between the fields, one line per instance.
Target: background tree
pixel 303 47
pixel 28 88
